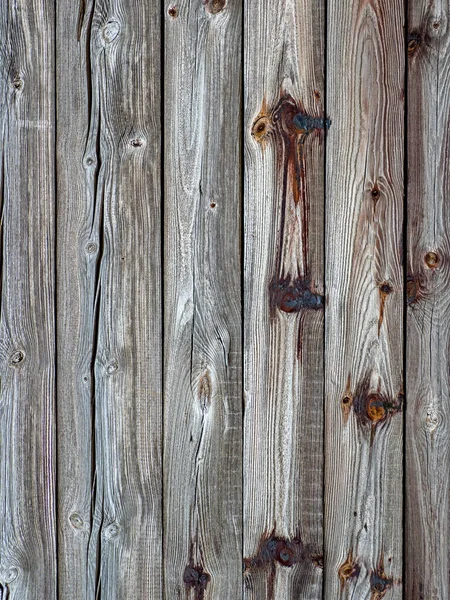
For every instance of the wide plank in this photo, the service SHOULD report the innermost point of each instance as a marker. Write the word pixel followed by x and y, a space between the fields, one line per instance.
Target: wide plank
pixel 364 300
pixel 27 305
pixel 284 136
pixel 109 300
pixel 202 303
pixel 427 556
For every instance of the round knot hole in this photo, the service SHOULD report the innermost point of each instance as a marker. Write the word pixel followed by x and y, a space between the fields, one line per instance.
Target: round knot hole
pixel 17 358
pixel 431 260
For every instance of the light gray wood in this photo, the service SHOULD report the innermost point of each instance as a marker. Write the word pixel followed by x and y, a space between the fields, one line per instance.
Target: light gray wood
pixel 284 272
pixel 202 361
pixel 364 286
pixel 27 319
pixel 109 300
pixel 428 318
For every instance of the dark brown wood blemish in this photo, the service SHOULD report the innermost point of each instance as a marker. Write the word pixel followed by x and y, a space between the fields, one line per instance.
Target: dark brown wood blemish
pixel 293 296
pixel 276 549
pixel 214 6
pixel 349 569
pixel 432 260
pixel 415 289
pixel 385 289
pixel 195 578
pixel 347 401
pixel 414 42
pixel 380 583
pixel 373 408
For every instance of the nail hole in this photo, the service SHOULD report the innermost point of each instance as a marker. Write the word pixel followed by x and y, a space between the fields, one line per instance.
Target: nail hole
pixel 213 205
pixel 375 193
pixel 173 12
pixel 89 161
pixel 385 288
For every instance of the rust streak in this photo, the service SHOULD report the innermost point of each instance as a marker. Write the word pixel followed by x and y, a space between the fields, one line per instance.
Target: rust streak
pixel 380 583
pixel 349 569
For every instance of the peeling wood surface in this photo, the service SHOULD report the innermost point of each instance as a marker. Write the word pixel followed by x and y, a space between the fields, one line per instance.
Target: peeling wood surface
pixel 224 326
pixel 364 290
pixel 284 137
pixel 202 308
pixel 427 551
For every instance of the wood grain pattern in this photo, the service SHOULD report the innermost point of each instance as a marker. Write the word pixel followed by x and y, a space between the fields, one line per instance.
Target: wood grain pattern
pixel 202 362
pixel 109 301
pixel 428 319
pixel 283 317
pixel 27 319
pixel 364 287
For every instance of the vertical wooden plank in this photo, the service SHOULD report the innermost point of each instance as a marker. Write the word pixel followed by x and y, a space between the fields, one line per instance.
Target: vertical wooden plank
pixel 27 320
pixel 202 364
pixel 364 285
pixel 428 317
pixel 284 302
pixel 109 305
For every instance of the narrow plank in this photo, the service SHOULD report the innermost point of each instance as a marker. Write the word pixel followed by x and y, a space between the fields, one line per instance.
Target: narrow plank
pixel 109 305
pixel 284 302
pixel 202 363
pixel 427 557
pixel 364 287
pixel 27 309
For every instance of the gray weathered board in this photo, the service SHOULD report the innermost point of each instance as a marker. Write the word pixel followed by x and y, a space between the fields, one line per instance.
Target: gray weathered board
pixel 225 300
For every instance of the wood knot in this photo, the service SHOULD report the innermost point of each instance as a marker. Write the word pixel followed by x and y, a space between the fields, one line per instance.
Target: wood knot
pixel 375 408
pixel 76 521
pixel 17 358
pixel 349 569
pixel 205 391
pixel 195 578
pixel 375 193
pixel 431 260
pixel 292 296
pixel 261 128
pixel 414 41
pixel 110 31
pixel 214 6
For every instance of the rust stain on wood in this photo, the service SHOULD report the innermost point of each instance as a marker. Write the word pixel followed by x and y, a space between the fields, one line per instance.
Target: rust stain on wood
pixel 349 569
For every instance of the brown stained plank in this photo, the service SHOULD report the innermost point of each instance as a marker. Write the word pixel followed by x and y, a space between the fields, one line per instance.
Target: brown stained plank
pixel 283 379
pixel 109 305
pixel 202 364
pixel 27 320
pixel 427 558
pixel 364 303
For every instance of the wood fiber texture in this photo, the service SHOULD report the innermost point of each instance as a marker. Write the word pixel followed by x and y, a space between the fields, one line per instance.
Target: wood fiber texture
pixel 283 299
pixel 224 300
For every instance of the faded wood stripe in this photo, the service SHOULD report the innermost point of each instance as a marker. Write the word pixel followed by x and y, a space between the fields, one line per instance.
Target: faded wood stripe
pixel 202 364
pixel 284 303
pixel 27 321
pixel 109 304
pixel 428 318
pixel 364 283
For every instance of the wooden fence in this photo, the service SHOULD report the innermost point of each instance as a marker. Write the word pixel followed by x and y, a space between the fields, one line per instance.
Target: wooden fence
pixel 224 318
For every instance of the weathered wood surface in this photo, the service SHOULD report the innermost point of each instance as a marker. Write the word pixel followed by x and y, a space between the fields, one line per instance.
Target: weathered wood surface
pixel 364 288
pixel 284 287
pixel 428 319
pixel 137 460
pixel 202 360
pixel 109 300
pixel 27 309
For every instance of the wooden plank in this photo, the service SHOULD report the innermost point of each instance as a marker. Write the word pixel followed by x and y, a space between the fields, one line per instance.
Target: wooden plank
pixel 428 318
pixel 202 364
pixel 284 276
pixel 364 286
pixel 109 305
pixel 27 320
